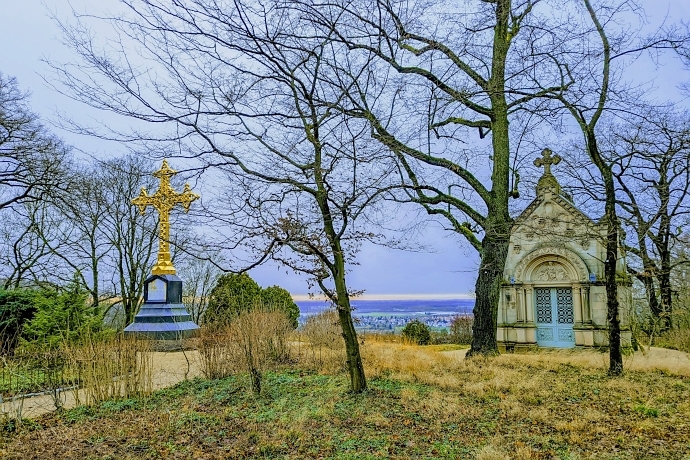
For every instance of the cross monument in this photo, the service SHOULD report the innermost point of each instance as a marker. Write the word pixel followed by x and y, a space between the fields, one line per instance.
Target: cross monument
pixel 164 200
pixel 163 317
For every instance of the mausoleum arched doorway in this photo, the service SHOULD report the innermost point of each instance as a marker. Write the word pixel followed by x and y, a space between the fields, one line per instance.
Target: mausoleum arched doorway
pixel 549 285
pixel 554 317
pixel 553 277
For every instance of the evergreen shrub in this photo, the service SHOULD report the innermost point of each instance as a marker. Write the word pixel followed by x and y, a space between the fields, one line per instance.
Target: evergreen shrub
pixel 235 294
pixel 417 332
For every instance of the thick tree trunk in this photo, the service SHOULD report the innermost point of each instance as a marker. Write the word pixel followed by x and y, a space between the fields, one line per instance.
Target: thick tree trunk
pixel 487 289
pixel 358 382
pixel 497 230
pixel 662 244
pixel 611 262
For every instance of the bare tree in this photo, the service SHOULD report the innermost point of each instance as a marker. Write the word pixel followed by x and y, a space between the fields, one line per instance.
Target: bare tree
pixel 680 280
pixel 31 159
pixel 247 89
pixel 653 171
pixel 587 111
pixel 459 73
pixel 32 165
pixel 96 234
pixel 26 257
pixel 78 219
pixel 131 235
pixel 596 60
pixel 200 274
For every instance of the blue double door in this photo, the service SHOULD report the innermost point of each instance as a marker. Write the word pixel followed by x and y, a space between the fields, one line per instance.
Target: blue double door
pixel 555 317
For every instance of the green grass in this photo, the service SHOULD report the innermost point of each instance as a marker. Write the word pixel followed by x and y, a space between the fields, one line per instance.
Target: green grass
pixel 303 415
pixel 420 404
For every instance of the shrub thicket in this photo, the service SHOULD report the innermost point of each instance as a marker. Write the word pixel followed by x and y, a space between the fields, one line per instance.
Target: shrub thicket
pixel 461 330
pixel 45 318
pixel 235 294
pixel 417 332
pixel 17 306
pixel 61 317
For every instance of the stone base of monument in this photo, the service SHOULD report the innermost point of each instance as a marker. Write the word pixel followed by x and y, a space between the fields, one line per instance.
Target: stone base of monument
pixel 163 318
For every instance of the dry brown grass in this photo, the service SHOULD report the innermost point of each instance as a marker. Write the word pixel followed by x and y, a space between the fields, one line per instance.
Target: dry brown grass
pixel 542 386
pixel 108 368
pixel 216 352
pixel 423 402
pixel 320 343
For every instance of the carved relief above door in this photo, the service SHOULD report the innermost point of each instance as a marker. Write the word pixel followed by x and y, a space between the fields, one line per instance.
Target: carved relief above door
pixel 551 271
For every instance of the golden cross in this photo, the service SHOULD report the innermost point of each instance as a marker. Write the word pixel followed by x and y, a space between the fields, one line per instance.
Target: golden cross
pixel 547 160
pixel 164 200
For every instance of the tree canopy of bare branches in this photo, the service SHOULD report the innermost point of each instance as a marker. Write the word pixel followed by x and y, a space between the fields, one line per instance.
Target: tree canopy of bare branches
pixel 31 159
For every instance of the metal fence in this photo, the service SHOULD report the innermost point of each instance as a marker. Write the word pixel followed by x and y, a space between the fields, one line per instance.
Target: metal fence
pixel 29 374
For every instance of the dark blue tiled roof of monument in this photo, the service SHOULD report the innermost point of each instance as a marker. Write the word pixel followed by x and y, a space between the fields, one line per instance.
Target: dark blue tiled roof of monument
pixel 163 316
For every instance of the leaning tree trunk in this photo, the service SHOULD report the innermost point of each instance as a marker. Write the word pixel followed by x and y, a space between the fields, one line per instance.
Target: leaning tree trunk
pixel 358 382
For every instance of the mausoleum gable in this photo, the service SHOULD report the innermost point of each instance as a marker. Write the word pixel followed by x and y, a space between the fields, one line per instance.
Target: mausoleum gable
pixel 553 293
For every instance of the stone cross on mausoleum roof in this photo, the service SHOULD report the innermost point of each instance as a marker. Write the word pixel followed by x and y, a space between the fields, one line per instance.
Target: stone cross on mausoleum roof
pixel 547 180
pixel 547 160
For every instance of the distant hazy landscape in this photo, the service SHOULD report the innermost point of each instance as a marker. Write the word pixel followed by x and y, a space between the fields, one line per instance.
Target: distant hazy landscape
pixel 391 313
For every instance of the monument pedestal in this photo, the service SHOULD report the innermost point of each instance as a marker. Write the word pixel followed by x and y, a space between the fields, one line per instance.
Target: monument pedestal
pixel 163 316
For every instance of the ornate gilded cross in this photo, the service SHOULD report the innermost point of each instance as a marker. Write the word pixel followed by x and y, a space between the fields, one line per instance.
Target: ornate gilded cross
pixel 546 161
pixel 164 200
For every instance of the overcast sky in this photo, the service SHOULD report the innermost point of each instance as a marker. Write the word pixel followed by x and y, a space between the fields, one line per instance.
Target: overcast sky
pixel 28 35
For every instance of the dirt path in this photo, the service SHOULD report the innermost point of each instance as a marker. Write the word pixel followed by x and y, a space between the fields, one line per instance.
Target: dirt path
pixel 167 370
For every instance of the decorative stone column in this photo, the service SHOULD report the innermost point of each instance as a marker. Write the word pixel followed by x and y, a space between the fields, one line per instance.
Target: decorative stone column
pixel 577 305
pixel 586 310
pixel 520 304
pixel 529 302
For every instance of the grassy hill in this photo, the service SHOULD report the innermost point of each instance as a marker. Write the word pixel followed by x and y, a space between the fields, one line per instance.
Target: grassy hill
pixel 422 402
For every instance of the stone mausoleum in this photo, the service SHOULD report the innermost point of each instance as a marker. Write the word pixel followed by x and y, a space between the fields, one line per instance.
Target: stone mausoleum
pixel 553 293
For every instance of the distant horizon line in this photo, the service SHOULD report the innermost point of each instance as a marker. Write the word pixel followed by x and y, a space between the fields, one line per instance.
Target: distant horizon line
pixel 307 297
